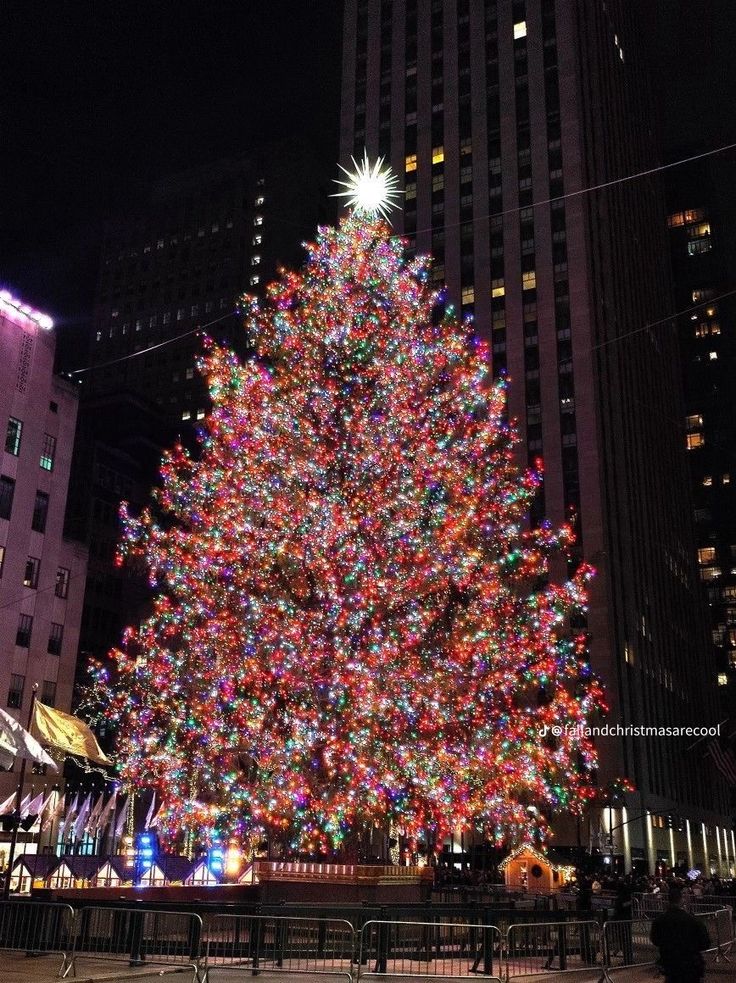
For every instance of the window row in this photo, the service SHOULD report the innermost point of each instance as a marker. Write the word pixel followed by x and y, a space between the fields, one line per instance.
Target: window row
pixel 18 684
pixel 25 630
pixel 32 569
pixel 40 506
pixel 13 440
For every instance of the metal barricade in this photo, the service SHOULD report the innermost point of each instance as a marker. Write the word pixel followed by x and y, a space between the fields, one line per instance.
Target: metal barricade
pixel 720 932
pixel 37 928
pixel 429 949
pixel 138 936
pixel 538 948
pixel 259 943
pixel 627 943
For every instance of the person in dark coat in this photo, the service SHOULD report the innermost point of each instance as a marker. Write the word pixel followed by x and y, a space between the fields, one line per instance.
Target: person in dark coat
pixel 681 939
pixel 623 913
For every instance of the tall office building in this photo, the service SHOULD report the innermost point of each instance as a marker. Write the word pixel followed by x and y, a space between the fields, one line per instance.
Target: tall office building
pixel 42 573
pixel 180 262
pixel 702 226
pixel 497 113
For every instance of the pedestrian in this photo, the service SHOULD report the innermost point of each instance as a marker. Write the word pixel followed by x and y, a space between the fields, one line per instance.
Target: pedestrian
pixel 681 939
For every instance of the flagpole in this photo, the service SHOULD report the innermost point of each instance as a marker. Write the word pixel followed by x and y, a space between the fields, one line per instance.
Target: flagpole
pixel 18 800
pixel 38 845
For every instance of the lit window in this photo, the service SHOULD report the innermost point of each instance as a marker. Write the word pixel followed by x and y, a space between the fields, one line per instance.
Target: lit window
pixel 30 578
pixel 497 288
pixel 255 260
pixel 259 201
pixel 411 163
pixel 48 452
pixel 722 679
pixel 710 573
pixel 255 280
pixel 468 295
pixel 726 479
pixel 189 373
pixel 696 247
pixel 701 229
pixel 529 280
pixel 519 30
pixel 12 436
pixel 706 554
pixel 200 414
pixel 438 155
pixel 707 481
pixel 712 356
pixel 694 421
pixel 695 440
pixel 186 415
pixel 257 220
pixel 257 239
pixel 98 336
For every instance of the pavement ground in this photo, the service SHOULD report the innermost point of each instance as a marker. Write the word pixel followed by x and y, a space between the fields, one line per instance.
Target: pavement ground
pixel 17 968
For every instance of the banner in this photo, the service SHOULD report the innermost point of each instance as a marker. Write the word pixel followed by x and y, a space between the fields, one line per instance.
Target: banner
pixel 66 733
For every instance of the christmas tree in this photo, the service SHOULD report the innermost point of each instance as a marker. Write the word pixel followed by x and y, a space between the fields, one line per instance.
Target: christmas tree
pixel 353 622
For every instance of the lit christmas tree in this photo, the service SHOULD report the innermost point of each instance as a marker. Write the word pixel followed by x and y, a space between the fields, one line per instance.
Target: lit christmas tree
pixel 353 622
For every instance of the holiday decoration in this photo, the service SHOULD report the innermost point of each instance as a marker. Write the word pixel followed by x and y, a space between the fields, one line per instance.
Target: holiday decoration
pixel 353 623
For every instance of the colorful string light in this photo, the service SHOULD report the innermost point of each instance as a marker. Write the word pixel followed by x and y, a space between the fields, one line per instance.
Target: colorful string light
pixel 353 622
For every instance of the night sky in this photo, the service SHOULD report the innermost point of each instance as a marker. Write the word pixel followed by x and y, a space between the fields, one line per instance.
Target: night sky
pixel 102 97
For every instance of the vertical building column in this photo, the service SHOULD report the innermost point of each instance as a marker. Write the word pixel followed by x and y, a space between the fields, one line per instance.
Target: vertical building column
pixel 718 851
pixel 627 839
pixel 706 866
pixel 651 854
pixel 690 857
pixel 673 855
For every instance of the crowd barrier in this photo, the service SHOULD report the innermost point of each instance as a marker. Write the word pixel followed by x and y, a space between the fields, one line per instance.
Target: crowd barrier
pixel 428 949
pixel 37 928
pixel 260 943
pixel 138 937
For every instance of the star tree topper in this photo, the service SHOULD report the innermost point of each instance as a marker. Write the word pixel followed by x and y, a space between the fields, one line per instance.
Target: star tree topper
pixel 371 189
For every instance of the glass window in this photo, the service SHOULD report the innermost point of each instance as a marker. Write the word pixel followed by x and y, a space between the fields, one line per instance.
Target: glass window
pixel 257 220
pixel 7 490
pixel 48 452
pixel 706 554
pixel 438 155
pixel 695 440
pixel 529 280
pixel 56 636
pixel 694 421
pixel 40 512
pixel 23 634
pixel 62 582
pixel 15 693
pixel 497 288
pixel 48 693
pixel 13 435
pixel 411 163
pixel 468 295
pixel 519 30
pixel 33 565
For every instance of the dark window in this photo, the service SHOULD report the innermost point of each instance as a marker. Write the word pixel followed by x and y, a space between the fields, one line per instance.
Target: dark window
pixel 33 565
pixel 40 512
pixel 7 490
pixel 62 582
pixel 15 693
pixel 55 639
pixel 48 452
pixel 48 693
pixel 54 407
pixel 13 435
pixel 25 627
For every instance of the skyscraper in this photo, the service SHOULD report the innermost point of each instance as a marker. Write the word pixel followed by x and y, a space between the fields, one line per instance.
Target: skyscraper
pixel 42 573
pixel 499 113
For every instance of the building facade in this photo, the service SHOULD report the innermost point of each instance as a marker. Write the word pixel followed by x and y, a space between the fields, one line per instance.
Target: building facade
pixel 498 113
pixel 42 574
pixel 702 227
pixel 177 266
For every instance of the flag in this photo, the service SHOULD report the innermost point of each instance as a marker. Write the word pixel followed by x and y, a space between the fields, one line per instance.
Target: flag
pixel 122 817
pixel 107 812
pixel 25 744
pixel 724 760
pixel 66 733
pixel 149 817
pixel 94 815
pixel 8 750
pixel 32 807
pixel 157 818
pixel 81 821
pixel 68 816
pixel 55 812
pixel 8 805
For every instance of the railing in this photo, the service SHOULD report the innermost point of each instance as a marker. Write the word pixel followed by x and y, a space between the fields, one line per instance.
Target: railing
pixel 257 943
pixel 535 949
pixel 37 928
pixel 260 943
pixel 138 937
pixel 428 949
